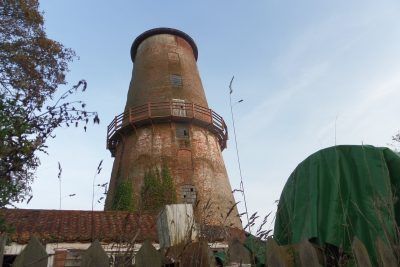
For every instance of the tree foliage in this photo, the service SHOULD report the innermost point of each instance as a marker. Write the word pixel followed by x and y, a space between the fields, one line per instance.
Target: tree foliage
pixel 396 137
pixel 32 67
pixel 396 145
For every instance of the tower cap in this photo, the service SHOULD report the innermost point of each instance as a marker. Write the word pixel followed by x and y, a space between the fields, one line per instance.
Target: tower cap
pixel 157 31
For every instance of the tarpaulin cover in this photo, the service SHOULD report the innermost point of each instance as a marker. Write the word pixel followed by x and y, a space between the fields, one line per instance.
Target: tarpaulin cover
pixel 341 192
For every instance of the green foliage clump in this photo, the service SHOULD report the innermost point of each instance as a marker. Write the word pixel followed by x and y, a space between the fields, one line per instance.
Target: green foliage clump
pixel 168 186
pixel 158 189
pixel 123 199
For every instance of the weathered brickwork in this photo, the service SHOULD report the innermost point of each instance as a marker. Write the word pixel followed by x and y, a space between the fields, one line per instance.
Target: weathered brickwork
pixel 60 257
pixel 191 152
pixel 153 69
pixel 199 165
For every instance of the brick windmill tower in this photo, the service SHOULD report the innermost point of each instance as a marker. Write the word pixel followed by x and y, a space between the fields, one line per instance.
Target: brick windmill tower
pixel 167 124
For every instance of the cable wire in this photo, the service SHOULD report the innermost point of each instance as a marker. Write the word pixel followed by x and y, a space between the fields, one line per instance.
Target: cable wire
pixel 237 155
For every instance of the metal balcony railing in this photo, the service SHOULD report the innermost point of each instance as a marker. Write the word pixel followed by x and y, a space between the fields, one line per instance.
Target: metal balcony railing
pixel 172 111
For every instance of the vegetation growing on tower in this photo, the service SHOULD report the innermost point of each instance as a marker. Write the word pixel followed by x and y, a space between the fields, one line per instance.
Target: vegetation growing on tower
pixel 158 189
pixel 123 197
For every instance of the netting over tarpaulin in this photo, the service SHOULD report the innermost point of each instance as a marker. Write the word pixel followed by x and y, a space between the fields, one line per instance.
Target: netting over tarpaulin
pixel 339 193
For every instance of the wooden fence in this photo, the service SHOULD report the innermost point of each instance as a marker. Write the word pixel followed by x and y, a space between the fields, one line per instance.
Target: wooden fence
pixel 306 254
pixel 198 254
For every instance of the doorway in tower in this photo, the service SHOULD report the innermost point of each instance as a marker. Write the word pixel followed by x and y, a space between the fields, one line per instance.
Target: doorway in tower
pixel 179 108
pixel 187 190
pixel 182 137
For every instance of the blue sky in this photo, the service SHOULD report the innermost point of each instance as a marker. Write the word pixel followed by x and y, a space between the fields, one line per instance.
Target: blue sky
pixel 300 66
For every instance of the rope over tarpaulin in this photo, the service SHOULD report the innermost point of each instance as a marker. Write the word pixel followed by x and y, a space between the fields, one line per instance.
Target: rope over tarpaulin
pixel 340 193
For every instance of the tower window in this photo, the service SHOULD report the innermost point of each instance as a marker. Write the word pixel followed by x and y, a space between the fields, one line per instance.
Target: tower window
pixel 172 56
pixel 179 107
pixel 174 65
pixel 176 80
pixel 188 194
pixel 182 131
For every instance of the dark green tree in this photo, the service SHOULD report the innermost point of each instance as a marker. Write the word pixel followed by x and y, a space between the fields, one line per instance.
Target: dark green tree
pixel 396 137
pixel 396 144
pixel 32 67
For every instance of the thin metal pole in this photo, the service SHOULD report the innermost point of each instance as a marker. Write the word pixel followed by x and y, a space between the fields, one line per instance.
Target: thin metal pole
pixel 59 181
pixel 94 177
pixel 237 155
pixel 92 215
pixel 60 191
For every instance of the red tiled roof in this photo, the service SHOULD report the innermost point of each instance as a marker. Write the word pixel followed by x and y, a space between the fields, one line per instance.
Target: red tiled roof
pixel 70 226
pixel 79 225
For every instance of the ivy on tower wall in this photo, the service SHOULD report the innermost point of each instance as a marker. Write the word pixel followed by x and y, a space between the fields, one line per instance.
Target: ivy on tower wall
pixel 124 197
pixel 158 189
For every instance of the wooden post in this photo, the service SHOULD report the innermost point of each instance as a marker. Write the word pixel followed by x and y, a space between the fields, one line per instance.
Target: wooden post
pixel 148 256
pixel 275 255
pixel 34 254
pixel 238 254
pixel 95 256
pixel 386 257
pixel 3 239
pixel 307 254
pixel 197 254
pixel 360 253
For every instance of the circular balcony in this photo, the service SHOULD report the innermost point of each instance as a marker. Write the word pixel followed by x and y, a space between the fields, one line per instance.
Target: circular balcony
pixel 173 111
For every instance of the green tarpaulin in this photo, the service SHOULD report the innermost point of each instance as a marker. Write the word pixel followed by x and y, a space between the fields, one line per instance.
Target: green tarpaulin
pixel 342 192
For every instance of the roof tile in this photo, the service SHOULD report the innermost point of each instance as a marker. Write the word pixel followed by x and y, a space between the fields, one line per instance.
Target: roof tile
pixel 70 226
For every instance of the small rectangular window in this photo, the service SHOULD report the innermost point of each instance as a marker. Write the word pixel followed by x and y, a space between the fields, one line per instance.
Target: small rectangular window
pixel 172 56
pixel 188 193
pixel 74 257
pixel 182 131
pixel 176 80
pixel 179 107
